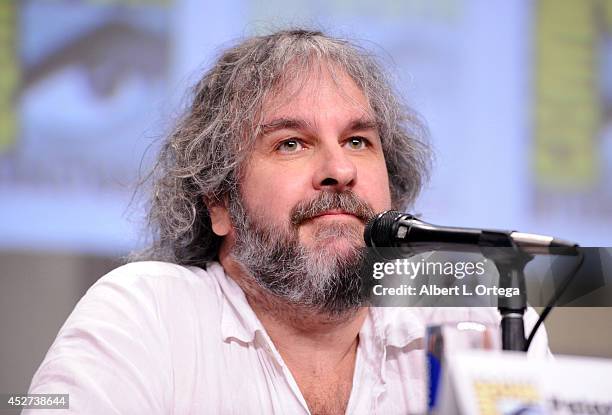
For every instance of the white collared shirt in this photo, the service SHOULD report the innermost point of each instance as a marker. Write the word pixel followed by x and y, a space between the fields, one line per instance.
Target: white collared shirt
pixel 159 338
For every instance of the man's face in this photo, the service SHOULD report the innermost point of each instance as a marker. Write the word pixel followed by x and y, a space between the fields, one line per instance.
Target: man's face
pixel 323 139
pixel 316 174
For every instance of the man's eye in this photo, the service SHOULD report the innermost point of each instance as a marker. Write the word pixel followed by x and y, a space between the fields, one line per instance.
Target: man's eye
pixel 290 146
pixel 356 143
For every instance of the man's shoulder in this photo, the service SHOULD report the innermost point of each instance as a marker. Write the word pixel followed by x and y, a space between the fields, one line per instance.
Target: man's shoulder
pixel 157 273
pixel 163 286
pixel 135 330
pixel 156 268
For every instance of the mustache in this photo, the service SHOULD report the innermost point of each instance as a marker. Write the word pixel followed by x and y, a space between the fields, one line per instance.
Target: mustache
pixel 346 201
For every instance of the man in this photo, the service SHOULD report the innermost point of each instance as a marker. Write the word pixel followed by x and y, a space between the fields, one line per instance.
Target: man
pixel 261 193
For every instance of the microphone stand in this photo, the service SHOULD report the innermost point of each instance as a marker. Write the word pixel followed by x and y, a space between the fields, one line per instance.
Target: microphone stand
pixel 510 262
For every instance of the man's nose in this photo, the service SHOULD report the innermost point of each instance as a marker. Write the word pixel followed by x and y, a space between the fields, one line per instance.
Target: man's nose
pixel 335 170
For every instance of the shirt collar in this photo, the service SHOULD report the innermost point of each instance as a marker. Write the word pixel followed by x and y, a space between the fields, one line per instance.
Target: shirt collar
pixel 238 320
pixel 394 326
pixel 387 326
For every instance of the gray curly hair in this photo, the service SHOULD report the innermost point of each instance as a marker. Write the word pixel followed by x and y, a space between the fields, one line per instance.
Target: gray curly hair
pixel 201 158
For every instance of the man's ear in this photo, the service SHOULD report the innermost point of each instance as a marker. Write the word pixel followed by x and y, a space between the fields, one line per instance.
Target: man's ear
pixel 219 216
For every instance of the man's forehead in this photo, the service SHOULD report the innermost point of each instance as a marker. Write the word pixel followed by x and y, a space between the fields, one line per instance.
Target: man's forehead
pixel 307 97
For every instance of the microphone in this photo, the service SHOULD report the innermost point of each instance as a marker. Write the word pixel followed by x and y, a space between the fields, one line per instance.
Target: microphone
pixel 405 233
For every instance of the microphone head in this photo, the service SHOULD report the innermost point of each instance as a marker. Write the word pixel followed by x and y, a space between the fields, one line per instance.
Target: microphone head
pixel 377 230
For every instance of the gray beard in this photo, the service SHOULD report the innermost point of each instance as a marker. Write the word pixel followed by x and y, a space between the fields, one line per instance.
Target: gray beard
pixel 321 280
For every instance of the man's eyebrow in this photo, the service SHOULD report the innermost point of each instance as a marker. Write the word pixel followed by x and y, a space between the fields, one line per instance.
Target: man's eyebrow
pixel 358 124
pixel 362 124
pixel 284 124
